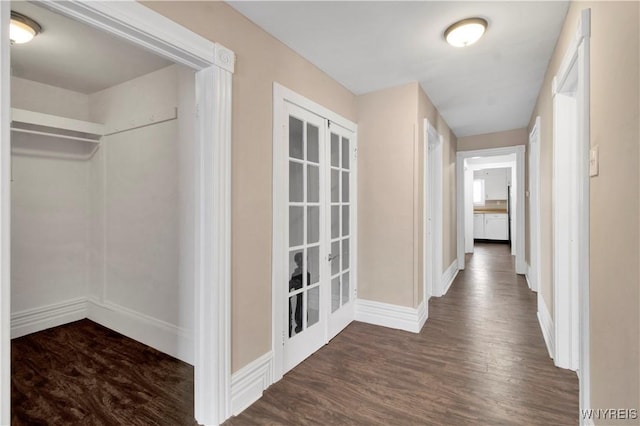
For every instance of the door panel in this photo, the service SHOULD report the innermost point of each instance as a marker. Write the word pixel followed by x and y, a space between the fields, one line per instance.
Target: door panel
pixel 304 302
pixel 319 297
pixel 342 181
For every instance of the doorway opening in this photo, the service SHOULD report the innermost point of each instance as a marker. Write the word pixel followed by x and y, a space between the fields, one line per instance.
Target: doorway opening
pixel 490 191
pixel 492 207
pixel 158 190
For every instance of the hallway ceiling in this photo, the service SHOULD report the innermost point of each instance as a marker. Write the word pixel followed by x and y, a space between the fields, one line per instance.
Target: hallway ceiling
pixel 74 56
pixel 367 46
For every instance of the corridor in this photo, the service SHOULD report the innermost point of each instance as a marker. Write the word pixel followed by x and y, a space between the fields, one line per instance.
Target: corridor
pixel 479 360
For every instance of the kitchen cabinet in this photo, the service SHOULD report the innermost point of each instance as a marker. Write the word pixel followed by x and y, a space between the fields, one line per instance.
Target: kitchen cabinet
pixel 496 226
pixel 490 226
pixel 478 225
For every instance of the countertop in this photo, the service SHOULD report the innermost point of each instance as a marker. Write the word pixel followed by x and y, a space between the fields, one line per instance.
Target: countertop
pixel 490 210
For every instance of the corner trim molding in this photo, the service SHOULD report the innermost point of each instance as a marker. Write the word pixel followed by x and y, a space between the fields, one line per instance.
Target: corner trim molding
pixel 449 276
pixel 41 318
pixel 248 383
pixel 546 325
pixel 391 316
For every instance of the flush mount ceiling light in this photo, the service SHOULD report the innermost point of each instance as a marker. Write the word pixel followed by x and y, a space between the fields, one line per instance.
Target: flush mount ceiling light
pixel 22 28
pixel 466 32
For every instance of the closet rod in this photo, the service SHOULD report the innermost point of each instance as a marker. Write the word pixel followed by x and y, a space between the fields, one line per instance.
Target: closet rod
pixel 55 135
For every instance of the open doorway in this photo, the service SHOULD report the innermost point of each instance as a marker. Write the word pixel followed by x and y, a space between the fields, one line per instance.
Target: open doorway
pixel 492 196
pixel 102 202
pixel 210 66
pixel 490 190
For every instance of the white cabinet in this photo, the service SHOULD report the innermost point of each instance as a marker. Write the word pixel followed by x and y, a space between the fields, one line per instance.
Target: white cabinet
pixel 478 225
pixel 496 227
pixel 490 226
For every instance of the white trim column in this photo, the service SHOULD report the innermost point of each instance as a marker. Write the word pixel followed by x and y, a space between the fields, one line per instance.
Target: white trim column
pixel 213 236
pixel 5 217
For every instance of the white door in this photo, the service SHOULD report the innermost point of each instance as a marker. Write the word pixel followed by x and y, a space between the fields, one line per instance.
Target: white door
pixel 318 289
pixel 341 224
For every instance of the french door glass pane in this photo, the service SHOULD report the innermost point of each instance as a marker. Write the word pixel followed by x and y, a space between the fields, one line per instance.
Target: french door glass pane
pixel 335 253
pixel 313 184
pixel 295 270
pixel 313 304
pixel 335 221
pixel 296 225
pixel 335 188
pixel 345 187
pixel 345 288
pixel 335 150
pixel 295 138
pixel 313 265
pixel 345 153
pixel 345 220
pixel 295 314
pixel 345 254
pixel 313 224
pixel 296 181
pixel 312 143
pixel 335 294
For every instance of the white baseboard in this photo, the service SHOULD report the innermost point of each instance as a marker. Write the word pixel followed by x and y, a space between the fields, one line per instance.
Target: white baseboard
pixel 158 334
pixel 526 276
pixel 532 285
pixel 449 275
pixel 38 319
pixel 248 383
pixel 392 316
pixel 546 325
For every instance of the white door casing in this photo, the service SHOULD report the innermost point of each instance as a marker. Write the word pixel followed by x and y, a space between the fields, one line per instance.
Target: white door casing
pixel 571 143
pixel 432 226
pixel 534 205
pixel 214 66
pixel 288 353
pixel 5 216
pixel 462 193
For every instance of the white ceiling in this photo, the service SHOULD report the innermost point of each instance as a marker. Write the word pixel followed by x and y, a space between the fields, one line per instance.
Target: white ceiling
pixel 76 57
pixel 366 46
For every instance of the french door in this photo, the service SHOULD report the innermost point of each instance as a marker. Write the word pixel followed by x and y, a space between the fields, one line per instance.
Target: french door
pixel 318 291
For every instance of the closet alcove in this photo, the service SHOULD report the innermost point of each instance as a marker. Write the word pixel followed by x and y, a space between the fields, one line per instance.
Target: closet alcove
pixel 103 206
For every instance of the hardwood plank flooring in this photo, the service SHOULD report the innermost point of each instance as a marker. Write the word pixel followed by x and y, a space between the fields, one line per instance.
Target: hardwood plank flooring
pixel 479 360
pixel 85 374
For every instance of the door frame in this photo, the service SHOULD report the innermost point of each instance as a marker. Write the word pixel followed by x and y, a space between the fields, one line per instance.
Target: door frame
pixel 534 270
pixel 432 208
pixel 518 150
pixel 571 94
pixel 281 94
pixel 214 66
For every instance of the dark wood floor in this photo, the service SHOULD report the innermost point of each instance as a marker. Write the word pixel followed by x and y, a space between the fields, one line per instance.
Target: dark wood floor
pixel 479 360
pixel 84 374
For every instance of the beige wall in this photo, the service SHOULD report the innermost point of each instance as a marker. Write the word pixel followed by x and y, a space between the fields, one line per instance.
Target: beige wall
pixel 614 207
pixel 261 61
pixel 386 143
pixel 391 188
pixel 493 140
